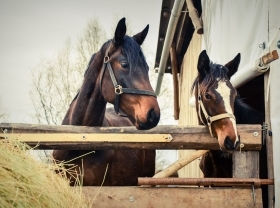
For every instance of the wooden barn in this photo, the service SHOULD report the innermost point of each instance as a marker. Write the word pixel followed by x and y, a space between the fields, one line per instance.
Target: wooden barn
pixel 224 29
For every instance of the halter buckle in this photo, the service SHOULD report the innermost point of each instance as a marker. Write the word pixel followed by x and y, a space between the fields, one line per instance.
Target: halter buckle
pixel 118 90
pixel 106 59
pixel 208 119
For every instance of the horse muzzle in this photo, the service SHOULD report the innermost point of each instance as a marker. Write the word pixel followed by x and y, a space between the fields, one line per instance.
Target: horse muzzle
pixel 152 120
pixel 229 144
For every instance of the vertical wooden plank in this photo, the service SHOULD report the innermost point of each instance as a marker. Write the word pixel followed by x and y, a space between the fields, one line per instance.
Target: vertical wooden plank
pixel 245 164
pixel 188 114
pixel 268 141
pixel 174 67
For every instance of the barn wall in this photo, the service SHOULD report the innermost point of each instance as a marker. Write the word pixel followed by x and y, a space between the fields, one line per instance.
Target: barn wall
pixel 188 114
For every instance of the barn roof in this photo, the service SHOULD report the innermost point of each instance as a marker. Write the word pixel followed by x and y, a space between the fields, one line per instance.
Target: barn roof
pixel 183 32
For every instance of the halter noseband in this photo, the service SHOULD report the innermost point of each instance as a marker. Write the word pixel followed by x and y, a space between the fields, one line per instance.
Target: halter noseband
pixel 118 88
pixel 209 119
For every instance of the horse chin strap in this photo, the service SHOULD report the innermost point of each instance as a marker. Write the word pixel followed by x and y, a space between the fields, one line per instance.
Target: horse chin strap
pixel 209 119
pixel 118 88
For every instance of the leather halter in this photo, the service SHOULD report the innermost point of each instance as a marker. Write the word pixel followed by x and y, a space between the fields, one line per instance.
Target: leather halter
pixel 209 119
pixel 118 88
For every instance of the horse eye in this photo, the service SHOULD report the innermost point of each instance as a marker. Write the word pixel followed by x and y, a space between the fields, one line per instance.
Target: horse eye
pixel 124 64
pixel 208 96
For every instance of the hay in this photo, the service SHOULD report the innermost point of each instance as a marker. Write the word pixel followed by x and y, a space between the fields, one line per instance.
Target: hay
pixel 27 183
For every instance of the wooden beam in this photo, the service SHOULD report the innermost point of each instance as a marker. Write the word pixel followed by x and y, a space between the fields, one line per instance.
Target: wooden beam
pixel 174 67
pixel 194 17
pixel 177 165
pixel 188 137
pixel 245 164
pixel 120 197
pixel 268 137
pixel 269 57
pixel 85 138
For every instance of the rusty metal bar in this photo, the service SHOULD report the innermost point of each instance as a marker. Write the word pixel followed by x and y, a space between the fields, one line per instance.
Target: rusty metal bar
pixel 242 182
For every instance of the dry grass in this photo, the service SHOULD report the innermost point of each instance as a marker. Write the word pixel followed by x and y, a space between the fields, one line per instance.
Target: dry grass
pixel 27 183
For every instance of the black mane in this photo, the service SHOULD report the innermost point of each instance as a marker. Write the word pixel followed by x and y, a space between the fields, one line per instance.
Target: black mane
pixel 244 114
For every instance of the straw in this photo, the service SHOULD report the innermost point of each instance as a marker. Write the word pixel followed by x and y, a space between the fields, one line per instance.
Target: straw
pixel 25 182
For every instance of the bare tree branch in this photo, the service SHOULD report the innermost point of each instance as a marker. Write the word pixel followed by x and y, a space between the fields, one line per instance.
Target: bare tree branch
pixel 56 81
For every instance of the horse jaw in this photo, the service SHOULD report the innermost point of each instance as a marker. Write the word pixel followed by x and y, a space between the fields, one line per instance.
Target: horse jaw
pixel 145 114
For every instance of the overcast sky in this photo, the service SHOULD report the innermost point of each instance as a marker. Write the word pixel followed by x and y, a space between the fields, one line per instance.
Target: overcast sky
pixel 31 30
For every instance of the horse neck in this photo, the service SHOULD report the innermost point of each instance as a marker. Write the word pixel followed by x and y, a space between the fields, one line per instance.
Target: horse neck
pixel 89 107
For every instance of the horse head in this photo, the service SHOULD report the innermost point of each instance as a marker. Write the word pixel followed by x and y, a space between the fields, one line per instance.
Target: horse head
pixel 215 97
pixel 124 79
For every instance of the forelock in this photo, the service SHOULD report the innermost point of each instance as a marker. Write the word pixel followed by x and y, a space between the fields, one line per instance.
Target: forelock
pixel 133 52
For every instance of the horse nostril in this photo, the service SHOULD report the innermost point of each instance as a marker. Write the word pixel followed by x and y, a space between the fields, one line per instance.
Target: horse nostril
pixel 229 144
pixel 152 120
pixel 152 117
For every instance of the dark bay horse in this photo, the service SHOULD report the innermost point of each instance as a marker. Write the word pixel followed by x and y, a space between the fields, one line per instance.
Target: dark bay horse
pixel 117 74
pixel 220 107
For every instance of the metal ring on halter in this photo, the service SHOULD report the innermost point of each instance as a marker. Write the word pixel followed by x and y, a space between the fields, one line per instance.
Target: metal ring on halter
pixel 208 119
pixel 106 59
pixel 118 89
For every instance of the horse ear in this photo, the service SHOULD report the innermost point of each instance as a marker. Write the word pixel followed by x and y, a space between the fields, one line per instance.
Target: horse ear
pixel 120 32
pixel 233 65
pixel 203 64
pixel 140 37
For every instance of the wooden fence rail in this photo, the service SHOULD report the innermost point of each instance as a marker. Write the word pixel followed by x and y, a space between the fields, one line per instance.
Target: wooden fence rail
pixel 161 137
pixel 123 196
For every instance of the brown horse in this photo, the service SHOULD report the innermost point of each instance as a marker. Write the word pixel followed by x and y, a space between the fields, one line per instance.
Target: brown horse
pixel 118 74
pixel 220 107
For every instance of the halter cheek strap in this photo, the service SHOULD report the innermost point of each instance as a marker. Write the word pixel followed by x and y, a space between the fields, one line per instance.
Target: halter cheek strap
pixel 209 119
pixel 118 88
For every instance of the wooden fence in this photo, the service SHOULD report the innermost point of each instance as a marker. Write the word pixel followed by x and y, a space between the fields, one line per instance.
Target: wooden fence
pixel 245 192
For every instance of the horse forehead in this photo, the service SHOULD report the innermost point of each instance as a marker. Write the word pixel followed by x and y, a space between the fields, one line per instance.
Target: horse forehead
pixel 218 67
pixel 134 55
pixel 224 90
